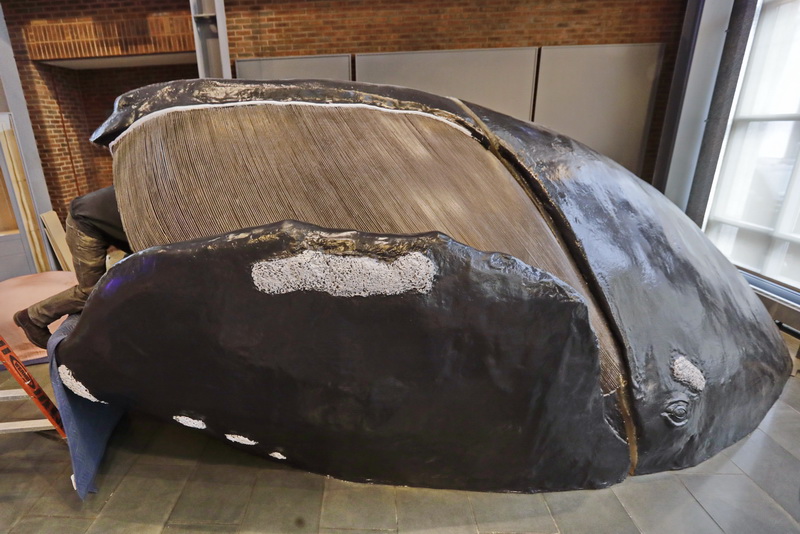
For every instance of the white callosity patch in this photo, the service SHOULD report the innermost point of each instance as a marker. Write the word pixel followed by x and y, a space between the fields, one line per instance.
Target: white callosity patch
pixel 236 438
pixel 277 455
pixel 345 276
pixel 72 383
pixel 688 374
pixel 190 422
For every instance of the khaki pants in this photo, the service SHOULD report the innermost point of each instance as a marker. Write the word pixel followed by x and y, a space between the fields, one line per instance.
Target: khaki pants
pixel 89 259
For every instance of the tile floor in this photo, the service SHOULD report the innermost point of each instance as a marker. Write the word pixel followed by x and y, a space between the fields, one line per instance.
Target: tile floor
pixel 167 478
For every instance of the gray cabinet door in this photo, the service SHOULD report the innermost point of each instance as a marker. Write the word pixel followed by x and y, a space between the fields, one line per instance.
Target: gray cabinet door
pixel 501 79
pixel 326 67
pixel 600 95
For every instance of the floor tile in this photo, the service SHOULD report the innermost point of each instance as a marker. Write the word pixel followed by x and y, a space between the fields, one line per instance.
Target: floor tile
pixel 732 449
pixel 44 452
pixel 211 502
pixel 574 510
pixel 62 525
pixel 174 444
pixel 225 474
pixel 11 443
pixel 107 525
pixel 284 501
pixel 61 499
pixel 347 505
pixel 509 512
pixel 200 529
pixel 22 411
pixel 23 453
pixel 771 467
pixel 738 505
pixel 222 453
pixel 226 465
pixel 8 382
pixel 791 393
pixel 49 447
pixel 144 497
pixel 19 491
pixel 434 511
pixel 291 479
pixel 663 505
pixel 782 424
pixel 134 432
pixel 718 464
pixel 9 408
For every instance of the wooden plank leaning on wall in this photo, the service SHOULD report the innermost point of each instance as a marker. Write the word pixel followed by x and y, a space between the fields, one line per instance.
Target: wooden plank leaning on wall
pixel 19 183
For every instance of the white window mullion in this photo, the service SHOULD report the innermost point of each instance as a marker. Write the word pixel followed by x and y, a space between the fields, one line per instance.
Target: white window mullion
pixel 754 216
pixel 790 209
pixel 773 263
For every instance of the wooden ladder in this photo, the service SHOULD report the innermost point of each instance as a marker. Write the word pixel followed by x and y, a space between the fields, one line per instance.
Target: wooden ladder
pixel 30 388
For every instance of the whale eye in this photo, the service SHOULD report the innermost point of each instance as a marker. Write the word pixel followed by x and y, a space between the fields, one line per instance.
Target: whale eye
pixel 677 412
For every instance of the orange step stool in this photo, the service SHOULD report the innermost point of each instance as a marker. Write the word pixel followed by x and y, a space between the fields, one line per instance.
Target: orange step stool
pixel 29 389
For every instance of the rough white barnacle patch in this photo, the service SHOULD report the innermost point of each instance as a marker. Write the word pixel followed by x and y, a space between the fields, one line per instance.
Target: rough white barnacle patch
pixel 72 384
pixel 190 422
pixel 688 374
pixel 277 455
pixel 345 276
pixel 236 438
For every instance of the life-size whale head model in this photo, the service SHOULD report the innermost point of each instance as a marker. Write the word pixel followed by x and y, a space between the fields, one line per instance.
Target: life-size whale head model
pixel 369 337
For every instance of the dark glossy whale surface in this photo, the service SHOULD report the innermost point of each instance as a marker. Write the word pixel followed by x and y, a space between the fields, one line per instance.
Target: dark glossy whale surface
pixel 704 360
pixel 422 387
pixel 671 294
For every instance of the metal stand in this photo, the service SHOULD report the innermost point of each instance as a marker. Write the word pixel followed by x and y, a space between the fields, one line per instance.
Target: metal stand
pixel 29 389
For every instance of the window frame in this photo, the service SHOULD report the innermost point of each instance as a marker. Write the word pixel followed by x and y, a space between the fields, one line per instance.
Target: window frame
pixel 780 235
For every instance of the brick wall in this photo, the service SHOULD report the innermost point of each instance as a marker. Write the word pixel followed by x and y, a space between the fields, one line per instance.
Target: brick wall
pixel 99 89
pixel 63 153
pixel 154 34
pixel 55 95
pixel 289 28
pixel 262 28
pixel 283 27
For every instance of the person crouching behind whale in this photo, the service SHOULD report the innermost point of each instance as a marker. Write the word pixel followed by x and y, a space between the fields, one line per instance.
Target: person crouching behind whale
pixel 93 225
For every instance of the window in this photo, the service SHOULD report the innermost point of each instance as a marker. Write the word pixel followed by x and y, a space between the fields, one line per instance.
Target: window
pixel 754 215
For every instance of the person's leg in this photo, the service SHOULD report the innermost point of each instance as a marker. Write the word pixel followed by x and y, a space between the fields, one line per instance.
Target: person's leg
pixel 88 258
